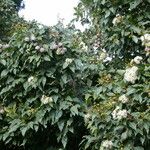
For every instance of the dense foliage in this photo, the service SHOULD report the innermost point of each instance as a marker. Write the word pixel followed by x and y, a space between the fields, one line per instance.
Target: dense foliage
pixel 64 89
pixel 118 112
pixel 40 75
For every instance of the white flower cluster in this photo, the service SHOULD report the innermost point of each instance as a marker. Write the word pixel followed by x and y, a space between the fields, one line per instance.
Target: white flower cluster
pixel 103 56
pixel 3 46
pixel 137 60
pixel 145 39
pixel 123 98
pixel 31 79
pixel 107 144
pixel 131 74
pixel 40 48
pixel 119 114
pixel 146 42
pixel 54 46
pixel 117 19
pixel 46 99
pixel 96 43
pixel 60 49
pixel 30 38
pixel 84 46
pixel 69 60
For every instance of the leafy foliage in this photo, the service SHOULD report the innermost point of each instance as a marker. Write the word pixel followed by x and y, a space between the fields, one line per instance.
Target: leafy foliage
pixel 60 86
pixel 8 18
pixel 115 124
pixel 39 87
pixel 120 23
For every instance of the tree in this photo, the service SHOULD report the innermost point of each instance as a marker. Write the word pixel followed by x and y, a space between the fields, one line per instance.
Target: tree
pixel 19 4
pixel 118 112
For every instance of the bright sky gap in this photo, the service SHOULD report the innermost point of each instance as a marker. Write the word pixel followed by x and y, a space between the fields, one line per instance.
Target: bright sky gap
pixel 47 12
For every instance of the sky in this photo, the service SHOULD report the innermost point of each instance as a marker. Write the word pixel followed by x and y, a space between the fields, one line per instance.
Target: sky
pixel 47 12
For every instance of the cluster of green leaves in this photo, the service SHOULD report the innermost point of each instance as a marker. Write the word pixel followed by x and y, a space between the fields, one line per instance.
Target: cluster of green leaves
pixel 57 85
pixel 19 4
pixel 27 74
pixel 129 133
pixel 121 40
pixel 8 18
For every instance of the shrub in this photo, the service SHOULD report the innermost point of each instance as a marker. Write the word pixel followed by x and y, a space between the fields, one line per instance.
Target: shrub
pixel 40 92
pixel 118 106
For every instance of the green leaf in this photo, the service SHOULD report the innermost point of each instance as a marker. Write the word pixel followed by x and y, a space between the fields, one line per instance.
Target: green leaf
pixel 43 81
pixel 138 148
pixel 97 91
pixel 64 78
pixel 47 58
pixel 64 141
pixel 134 4
pixel 147 127
pixel 4 73
pixel 60 125
pixel 3 62
pixel 74 110
pixel 65 65
pixel 124 135
pixel 133 125
pixel 23 131
pixel 58 115
pixel 135 39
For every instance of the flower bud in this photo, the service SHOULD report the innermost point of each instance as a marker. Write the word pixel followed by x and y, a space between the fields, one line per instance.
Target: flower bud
pixel 30 79
pixel 32 38
pixel 27 39
pixel 37 47
pixel 42 50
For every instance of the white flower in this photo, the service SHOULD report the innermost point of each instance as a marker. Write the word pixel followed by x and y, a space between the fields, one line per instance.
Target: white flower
pixel 114 21
pixel 54 46
pixel 131 74
pixel 32 38
pixel 145 39
pixel 60 44
pixel 27 39
pixel 117 19
pixel 46 99
pixel 84 46
pixel 42 49
pixel 137 59
pixel 103 55
pixel 142 38
pixel 122 114
pixel 58 52
pixel 114 113
pixel 61 51
pixel 6 46
pixel 147 50
pixel 123 98
pixel 35 44
pixel 119 114
pixel 107 144
pixel 30 79
pixel 69 60
pixel 37 47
